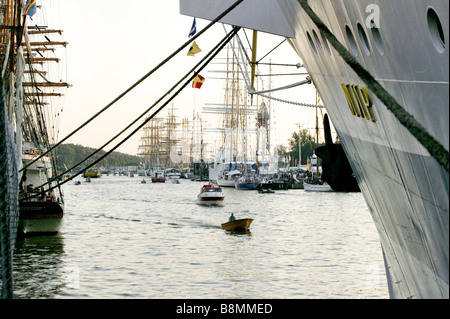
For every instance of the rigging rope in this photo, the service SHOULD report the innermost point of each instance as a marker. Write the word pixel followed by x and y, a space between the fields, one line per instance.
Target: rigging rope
pixel 436 149
pixel 223 14
pixel 251 91
pixel 212 54
pixel 227 36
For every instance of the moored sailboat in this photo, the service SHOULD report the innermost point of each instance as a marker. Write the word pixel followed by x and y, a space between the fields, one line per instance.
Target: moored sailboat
pixel 383 109
pixel 41 200
pixel 40 210
pixel 248 182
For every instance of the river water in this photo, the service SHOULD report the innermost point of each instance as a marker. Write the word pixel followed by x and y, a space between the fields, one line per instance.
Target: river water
pixel 125 239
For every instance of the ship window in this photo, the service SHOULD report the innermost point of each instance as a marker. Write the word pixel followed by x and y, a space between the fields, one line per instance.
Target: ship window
pixel 351 40
pixel 436 30
pixel 363 39
pixel 325 42
pixel 311 42
pixel 377 40
pixel 319 44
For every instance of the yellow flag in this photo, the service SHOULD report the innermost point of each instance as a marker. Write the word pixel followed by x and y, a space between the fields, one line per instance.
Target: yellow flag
pixel 194 49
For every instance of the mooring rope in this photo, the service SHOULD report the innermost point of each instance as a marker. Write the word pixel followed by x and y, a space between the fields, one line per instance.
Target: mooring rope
pixel 228 39
pixel 9 197
pixel 192 39
pixel 436 149
pixel 140 116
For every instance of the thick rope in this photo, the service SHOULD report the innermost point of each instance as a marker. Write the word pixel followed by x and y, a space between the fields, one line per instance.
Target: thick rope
pixel 233 33
pixel 189 73
pixel 139 81
pixel 436 149
pixel 9 198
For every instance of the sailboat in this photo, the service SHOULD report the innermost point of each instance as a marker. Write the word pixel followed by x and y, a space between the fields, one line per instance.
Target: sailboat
pixel 245 127
pixel 228 178
pixel 40 210
pixel 248 182
pixel 41 201
pixel 356 55
pixel 315 183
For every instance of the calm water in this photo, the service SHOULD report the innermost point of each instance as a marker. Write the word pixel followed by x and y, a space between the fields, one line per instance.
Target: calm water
pixel 124 239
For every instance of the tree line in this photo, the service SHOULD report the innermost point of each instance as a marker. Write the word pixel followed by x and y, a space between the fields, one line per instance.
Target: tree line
pixel 308 145
pixel 71 154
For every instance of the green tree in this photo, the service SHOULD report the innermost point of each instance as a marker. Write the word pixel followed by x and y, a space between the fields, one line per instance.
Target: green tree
pixel 71 154
pixel 307 143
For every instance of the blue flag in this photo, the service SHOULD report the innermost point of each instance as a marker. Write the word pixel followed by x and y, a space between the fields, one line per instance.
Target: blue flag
pixel 30 8
pixel 193 28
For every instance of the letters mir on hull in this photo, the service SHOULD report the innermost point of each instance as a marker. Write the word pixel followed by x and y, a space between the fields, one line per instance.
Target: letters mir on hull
pixel 404 185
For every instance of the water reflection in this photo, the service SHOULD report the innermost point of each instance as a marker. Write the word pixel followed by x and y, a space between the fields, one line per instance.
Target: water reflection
pixel 153 241
pixel 239 232
pixel 38 266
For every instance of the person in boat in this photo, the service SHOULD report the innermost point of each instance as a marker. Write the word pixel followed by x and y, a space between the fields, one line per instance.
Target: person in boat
pixel 49 197
pixel 232 218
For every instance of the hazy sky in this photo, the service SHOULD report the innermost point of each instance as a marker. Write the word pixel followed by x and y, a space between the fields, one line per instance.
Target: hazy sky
pixel 114 43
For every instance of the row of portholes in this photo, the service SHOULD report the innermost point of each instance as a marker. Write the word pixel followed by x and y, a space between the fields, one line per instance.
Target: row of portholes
pixel 364 40
pixel 434 26
pixel 317 46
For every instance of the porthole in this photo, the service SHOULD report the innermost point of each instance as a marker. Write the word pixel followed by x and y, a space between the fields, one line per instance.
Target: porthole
pixel 436 30
pixel 311 42
pixel 351 40
pixel 377 40
pixel 318 43
pixel 363 39
pixel 325 43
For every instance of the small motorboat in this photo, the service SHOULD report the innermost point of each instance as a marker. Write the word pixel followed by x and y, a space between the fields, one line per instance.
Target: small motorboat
pixel 159 177
pixel 211 194
pixel 238 224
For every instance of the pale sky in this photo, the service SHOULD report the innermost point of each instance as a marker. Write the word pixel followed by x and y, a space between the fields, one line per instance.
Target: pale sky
pixel 112 44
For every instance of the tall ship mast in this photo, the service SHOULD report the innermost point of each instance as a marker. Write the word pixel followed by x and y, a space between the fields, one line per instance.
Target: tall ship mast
pixel 243 124
pixel 33 87
pixel 367 58
pixel 161 141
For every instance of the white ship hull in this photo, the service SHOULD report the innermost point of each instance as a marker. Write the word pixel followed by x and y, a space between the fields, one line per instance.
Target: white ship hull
pixel 316 187
pixel 406 190
pixel 226 183
pixel 39 226
pixel 39 213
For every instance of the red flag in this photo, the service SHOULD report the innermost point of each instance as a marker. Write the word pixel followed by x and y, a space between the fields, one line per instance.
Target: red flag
pixel 198 81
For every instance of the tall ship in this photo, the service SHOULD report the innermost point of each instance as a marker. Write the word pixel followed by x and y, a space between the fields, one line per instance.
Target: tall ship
pixel 32 87
pixel 245 134
pixel 403 46
pixel 164 146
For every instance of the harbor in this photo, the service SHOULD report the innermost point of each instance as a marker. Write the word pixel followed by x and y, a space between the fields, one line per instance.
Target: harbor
pixel 124 239
pixel 178 170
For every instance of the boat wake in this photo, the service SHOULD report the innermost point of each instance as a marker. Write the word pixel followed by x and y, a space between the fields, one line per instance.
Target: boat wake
pixel 117 218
